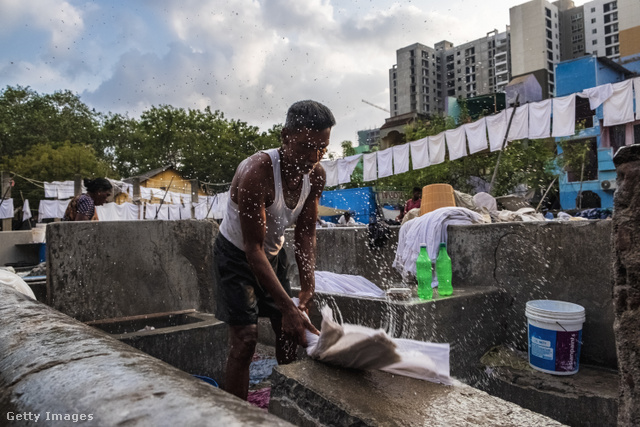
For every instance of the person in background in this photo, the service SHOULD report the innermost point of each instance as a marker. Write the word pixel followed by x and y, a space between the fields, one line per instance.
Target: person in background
pixel 415 201
pixel 83 207
pixel 270 191
pixel 347 219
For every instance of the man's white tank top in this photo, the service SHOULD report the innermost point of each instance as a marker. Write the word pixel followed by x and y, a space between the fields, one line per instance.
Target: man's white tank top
pixel 279 216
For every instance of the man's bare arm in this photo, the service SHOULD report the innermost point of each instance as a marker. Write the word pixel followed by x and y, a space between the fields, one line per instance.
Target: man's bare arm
pixel 305 238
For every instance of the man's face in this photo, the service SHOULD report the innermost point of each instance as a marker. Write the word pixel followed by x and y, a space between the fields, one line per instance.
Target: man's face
pixel 305 147
pixel 417 195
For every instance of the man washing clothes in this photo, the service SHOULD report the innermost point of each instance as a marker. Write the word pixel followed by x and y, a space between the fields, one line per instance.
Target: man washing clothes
pixel 271 190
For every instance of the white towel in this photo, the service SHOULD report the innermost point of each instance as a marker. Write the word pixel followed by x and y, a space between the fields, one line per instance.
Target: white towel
pixel 400 158
pixel 496 128
pixel 186 198
pixel 420 153
pixel 26 211
pixel 564 116
pixel 52 208
pixel 220 204
pixel 636 86
pixel 60 189
pixel 116 212
pixel 618 109
pixel 6 208
pixel 597 95
pixel 369 170
pixel 476 135
pixel 346 167
pixel 520 124
pixel 145 193
pixel 436 148
pixel 430 228
pixel 331 171
pixel 385 163
pixel 456 143
pixel 540 119
pixel 175 197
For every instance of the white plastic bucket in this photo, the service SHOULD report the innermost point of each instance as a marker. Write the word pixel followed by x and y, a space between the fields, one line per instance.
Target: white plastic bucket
pixel 38 234
pixel 555 336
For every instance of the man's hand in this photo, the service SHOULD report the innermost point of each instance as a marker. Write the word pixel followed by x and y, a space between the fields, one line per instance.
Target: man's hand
pixel 294 324
pixel 305 298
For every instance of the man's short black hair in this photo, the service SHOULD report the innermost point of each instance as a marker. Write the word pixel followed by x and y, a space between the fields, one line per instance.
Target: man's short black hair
pixel 417 189
pixel 309 114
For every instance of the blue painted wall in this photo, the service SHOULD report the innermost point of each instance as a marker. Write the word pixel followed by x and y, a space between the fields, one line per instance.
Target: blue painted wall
pixel 360 200
pixel 571 77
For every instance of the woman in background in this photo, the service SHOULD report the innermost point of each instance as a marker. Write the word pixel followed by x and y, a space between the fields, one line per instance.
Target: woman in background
pixel 83 207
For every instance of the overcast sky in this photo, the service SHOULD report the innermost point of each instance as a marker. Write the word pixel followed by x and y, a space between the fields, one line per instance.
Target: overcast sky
pixel 248 58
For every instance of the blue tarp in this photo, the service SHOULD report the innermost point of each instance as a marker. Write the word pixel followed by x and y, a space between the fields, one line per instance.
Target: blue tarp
pixel 362 201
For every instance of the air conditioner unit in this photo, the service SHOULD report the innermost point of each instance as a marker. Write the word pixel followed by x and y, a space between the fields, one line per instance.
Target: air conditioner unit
pixel 608 184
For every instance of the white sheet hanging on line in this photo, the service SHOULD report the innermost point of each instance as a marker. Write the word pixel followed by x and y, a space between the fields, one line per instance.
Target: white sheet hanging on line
pixel 145 193
pixel 618 109
pixel 476 135
pixel 400 158
pixel 520 124
pixel 26 211
pixel 436 148
pixel 52 208
pixel 540 119
pixel 175 197
pixel 636 85
pixel 346 167
pixel 116 212
pixel 564 116
pixel 456 142
pixel 597 95
pixel 496 128
pixel 420 153
pixel 331 171
pixel 6 208
pixel 369 169
pixel 385 163
pixel 60 189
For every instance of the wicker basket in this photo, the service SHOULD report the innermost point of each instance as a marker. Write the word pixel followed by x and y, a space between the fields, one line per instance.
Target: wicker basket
pixel 436 196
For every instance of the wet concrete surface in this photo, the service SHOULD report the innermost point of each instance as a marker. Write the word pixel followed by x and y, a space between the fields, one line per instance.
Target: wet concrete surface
pixel 52 364
pixel 309 393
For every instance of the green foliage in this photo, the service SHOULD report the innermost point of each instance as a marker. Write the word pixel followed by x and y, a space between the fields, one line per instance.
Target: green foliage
pixel 28 118
pixel 52 162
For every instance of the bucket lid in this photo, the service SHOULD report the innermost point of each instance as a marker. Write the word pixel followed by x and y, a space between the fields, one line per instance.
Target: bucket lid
pixel 551 306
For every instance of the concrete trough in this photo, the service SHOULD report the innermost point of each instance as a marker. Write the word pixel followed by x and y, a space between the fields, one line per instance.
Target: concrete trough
pixel 194 342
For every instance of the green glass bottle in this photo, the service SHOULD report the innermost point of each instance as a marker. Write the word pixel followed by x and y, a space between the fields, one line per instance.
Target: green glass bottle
pixel 443 271
pixel 423 273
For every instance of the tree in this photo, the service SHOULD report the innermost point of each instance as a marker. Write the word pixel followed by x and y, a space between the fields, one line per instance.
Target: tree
pixel 28 118
pixel 52 162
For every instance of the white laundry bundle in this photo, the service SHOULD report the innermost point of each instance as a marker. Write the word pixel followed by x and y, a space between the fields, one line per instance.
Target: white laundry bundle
pixel 13 280
pixel 360 347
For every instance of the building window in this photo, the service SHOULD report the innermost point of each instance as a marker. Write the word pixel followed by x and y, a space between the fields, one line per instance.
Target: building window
pixel 594 31
pixel 549 34
pixel 550 66
pixel 636 134
pixel 547 12
pixel 593 20
pixel 548 23
pixel 617 136
pixel 549 45
pixel 593 9
pixel 550 56
pixel 594 42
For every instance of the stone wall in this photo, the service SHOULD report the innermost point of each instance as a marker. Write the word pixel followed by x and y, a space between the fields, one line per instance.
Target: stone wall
pixel 99 270
pixel 52 365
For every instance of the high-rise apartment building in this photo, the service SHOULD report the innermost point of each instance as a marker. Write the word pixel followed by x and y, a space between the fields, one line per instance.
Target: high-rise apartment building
pixel 423 77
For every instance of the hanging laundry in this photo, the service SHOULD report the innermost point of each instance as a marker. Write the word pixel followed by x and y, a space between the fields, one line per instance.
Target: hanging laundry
pixel 400 158
pixel 346 167
pixel 6 208
pixel 331 172
pixel 175 197
pixel 476 135
pixel 564 116
pixel 436 149
pixel 496 129
pixel 420 153
pixel 456 143
pixel 116 212
pixel 60 189
pixel 369 168
pixel 597 95
pixel 26 211
pixel 520 124
pixel 145 193
pixel 540 119
pixel 618 109
pixel 385 163
pixel 52 208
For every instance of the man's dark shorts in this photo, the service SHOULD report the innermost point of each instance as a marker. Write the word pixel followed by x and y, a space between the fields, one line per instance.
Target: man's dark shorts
pixel 240 298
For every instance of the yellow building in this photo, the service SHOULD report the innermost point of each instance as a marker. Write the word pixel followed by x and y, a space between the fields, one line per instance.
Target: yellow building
pixel 165 178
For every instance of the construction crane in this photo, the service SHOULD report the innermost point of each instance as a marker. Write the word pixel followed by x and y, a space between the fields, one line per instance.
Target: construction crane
pixel 374 105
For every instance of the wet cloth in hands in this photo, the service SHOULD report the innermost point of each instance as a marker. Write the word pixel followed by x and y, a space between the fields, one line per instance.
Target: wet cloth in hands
pixel 359 347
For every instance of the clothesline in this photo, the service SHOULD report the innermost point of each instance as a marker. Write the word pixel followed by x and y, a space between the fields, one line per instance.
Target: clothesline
pixel 532 120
